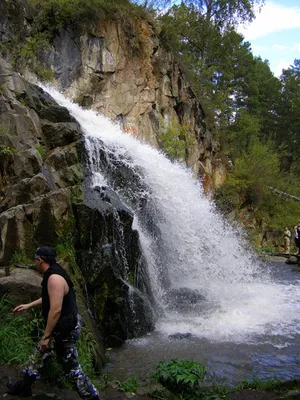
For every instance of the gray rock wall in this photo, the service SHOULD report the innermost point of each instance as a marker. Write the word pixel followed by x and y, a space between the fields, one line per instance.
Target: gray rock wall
pixel 40 168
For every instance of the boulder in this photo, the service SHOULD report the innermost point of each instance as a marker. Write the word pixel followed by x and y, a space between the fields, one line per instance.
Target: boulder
pixel 22 286
pixel 60 133
pixel 292 260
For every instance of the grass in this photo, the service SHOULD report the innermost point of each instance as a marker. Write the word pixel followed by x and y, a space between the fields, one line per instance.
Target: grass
pixel 16 344
pixel 86 351
pixel 269 385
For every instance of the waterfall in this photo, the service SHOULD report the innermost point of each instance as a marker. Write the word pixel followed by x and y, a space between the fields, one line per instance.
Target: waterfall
pixel 203 276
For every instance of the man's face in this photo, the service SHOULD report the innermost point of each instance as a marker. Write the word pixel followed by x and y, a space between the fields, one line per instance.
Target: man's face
pixel 38 263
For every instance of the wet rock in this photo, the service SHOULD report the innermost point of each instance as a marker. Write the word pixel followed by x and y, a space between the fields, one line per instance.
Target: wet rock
pixel 179 335
pixel 61 133
pixel 185 295
pixel 44 105
pixel 292 395
pixel 292 260
pixel 110 260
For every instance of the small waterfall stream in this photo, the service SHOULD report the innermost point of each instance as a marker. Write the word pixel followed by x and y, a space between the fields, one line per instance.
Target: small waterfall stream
pixel 203 276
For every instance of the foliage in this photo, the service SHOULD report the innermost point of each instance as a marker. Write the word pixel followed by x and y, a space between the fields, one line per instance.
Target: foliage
pixel 7 151
pixel 19 257
pixel 254 174
pixel 130 385
pixel 288 124
pixel 56 14
pixel 175 140
pixel 268 249
pixel 44 73
pixel 179 375
pixel 16 344
pixel 187 380
pixel 65 245
pixel 86 351
pixel 259 164
pixel 258 384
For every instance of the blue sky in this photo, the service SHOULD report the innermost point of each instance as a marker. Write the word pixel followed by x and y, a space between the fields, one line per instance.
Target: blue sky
pixel 275 33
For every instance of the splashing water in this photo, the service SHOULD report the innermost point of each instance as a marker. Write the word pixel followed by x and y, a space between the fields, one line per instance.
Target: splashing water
pixel 192 253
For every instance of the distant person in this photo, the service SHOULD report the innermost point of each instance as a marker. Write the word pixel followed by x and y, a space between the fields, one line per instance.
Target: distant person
pixel 287 240
pixel 297 237
pixel 61 331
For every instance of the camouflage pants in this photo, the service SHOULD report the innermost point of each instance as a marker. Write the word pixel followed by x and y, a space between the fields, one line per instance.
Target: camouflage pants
pixel 66 354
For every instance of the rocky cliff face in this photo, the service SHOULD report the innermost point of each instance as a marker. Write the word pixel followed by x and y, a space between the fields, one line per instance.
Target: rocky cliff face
pixel 132 79
pixel 123 71
pixel 40 168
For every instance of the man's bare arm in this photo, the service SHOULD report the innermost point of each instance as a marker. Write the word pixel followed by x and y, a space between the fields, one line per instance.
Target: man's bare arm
pixel 23 307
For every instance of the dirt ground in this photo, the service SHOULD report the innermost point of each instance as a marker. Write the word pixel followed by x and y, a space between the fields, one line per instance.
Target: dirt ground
pixel 43 392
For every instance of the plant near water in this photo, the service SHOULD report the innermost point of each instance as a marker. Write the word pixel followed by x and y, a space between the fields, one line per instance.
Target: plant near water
pixel 268 249
pixel 130 385
pixel 180 375
pixel 87 347
pixel 268 385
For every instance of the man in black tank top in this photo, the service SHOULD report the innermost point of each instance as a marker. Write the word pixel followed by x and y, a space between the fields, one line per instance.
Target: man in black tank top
pixel 62 329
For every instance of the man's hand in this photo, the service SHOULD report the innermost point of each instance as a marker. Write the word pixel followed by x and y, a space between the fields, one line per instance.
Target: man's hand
pixel 44 343
pixel 21 307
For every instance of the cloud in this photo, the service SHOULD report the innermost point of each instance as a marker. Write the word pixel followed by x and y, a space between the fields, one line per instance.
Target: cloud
pixel 258 47
pixel 279 47
pixel 272 18
pixel 282 65
pixel 296 47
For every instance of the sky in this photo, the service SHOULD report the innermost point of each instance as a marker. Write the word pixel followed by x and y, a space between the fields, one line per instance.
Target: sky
pixel 275 33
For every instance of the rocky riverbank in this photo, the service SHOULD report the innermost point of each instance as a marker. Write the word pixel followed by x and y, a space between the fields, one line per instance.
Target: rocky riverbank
pixel 43 391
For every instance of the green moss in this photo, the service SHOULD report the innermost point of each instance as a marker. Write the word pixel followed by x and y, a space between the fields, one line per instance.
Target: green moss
pixel 44 73
pixel 131 278
pixel 3 90
pixel 42 151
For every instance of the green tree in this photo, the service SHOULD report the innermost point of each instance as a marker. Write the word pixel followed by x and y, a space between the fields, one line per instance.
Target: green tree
pixel 288 130
pixel 224 12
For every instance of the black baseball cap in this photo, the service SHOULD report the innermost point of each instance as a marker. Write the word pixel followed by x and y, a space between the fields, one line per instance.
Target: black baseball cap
pixel 45 252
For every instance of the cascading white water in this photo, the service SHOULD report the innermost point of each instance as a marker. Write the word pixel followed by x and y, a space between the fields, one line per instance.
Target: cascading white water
pixel 195 248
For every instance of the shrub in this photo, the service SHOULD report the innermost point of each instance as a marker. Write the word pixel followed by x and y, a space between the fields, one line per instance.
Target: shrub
pixel 56 14
pixel 180 375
